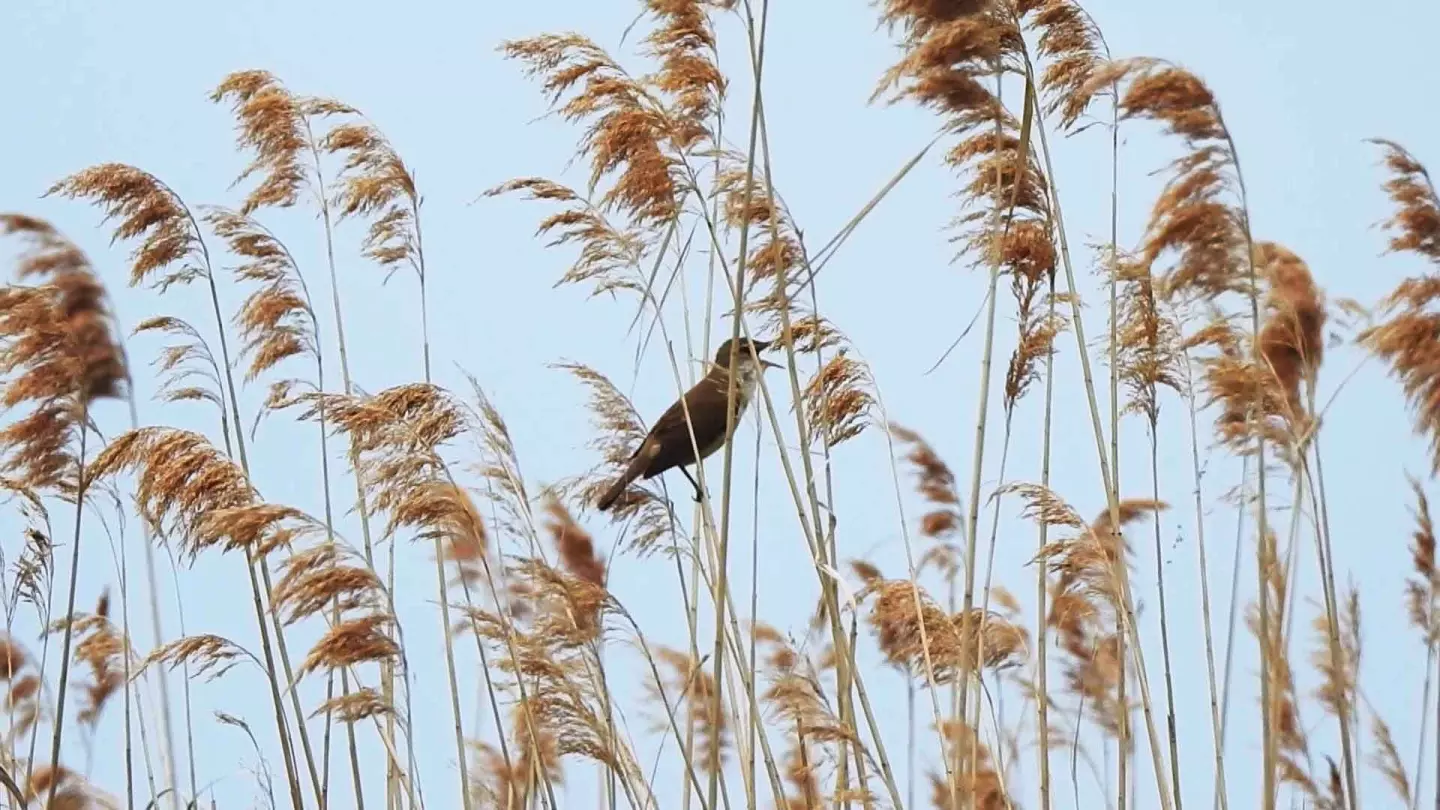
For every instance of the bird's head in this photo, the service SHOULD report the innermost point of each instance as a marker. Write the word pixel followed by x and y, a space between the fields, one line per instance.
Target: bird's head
pixel 736 354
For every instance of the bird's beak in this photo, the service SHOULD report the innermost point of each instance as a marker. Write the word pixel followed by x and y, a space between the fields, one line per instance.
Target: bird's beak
pixel 760 346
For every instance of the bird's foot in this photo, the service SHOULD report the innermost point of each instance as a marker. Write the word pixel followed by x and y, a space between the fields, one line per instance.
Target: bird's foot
pixel 699 493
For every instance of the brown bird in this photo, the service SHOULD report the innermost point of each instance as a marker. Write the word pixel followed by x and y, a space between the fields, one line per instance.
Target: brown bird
pixel 669 444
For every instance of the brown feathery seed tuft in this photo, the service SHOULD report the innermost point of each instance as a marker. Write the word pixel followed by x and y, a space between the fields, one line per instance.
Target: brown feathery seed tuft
pixel 210 656
pixel 1235 381
pixel 898 631
pixel 1147 351
pixel 1422 591
pixel 366 639
pixel 1075 49
pixel 626 127
pixel 58 351
pixel 1292 339
pixel 1406 338
pixel 271 122
pixel 1416 221
pixel 186 484
pixel 95 363
pixel 1386 760
pixel 189 371
pixel 376 181
pixel 146 208
pixel 362 704
pixel 689 75
pixel 576 546
pixel 276 320
pixel 837 399
pixel 1196 216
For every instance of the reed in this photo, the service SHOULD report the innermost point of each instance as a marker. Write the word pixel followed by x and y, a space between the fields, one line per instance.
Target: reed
pixel 567 681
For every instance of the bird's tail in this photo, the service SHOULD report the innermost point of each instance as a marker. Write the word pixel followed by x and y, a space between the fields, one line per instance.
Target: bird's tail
pixel 618 488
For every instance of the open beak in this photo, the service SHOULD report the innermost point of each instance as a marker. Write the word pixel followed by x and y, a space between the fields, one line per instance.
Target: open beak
pixel 760 346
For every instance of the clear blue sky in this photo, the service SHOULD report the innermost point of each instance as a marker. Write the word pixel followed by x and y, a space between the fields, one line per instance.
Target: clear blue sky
pixel 1301 85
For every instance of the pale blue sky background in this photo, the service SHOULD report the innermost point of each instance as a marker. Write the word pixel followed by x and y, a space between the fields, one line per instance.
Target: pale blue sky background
pixel 1301 84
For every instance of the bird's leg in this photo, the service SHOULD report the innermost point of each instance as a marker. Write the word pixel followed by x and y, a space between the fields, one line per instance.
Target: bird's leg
pixel 699 495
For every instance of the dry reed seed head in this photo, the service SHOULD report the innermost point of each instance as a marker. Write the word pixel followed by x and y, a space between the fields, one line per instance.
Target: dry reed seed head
pixel 567 712
pixel 1087 564
pixel 361 704
pixel 375 182
pixel 143 208
pixel 1148 343
pixel 1074 50
pixel 182 479
pixel 1253 404
pixel 270 122
pixel 1386 759
pixel 259 527
pixel 99 647
pixel 998 176
pixel 575 545
pixel 22 691
pixel 1206 235
pixel 276 321
pixel 744 193
pixel 1339 680
pixel 1415 225
pixel 32 571
pixel 188 369
pixel 1232 379
pixel 626 131
pixel 1191 217
pixel 1407 343
pixel 984 787
pixel 936 481
pixel 1422 591
pixel 61 333
pixel 618 430
pixel 566 610
pixel 689 76
pixel 12 658
pixel 617 424
pixel 1166 93
pixel 801 773
pixel 1292 340
pixel 1036 342
pixel 43 776
pixel 363 640
pixel 837 399
pixel 949 46
pixel 439 510
pixel 608 254
pixel 209 656
pixel 898 631
pixel 308 591
pixel 1290 734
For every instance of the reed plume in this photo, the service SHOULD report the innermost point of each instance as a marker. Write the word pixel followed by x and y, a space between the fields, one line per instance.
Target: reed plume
pixel 58 353
pixel 626 126
pixel 273 123
pixel 1405 338
pixel 276 321
pixel 1292 341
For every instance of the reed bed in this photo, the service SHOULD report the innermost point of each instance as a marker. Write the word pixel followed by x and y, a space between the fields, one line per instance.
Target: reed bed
pixel 425 622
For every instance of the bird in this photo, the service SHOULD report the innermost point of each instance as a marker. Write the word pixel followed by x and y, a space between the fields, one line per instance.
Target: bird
pixel 669 444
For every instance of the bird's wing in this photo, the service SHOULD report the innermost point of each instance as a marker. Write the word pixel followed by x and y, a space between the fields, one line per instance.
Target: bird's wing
pixel 707 423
